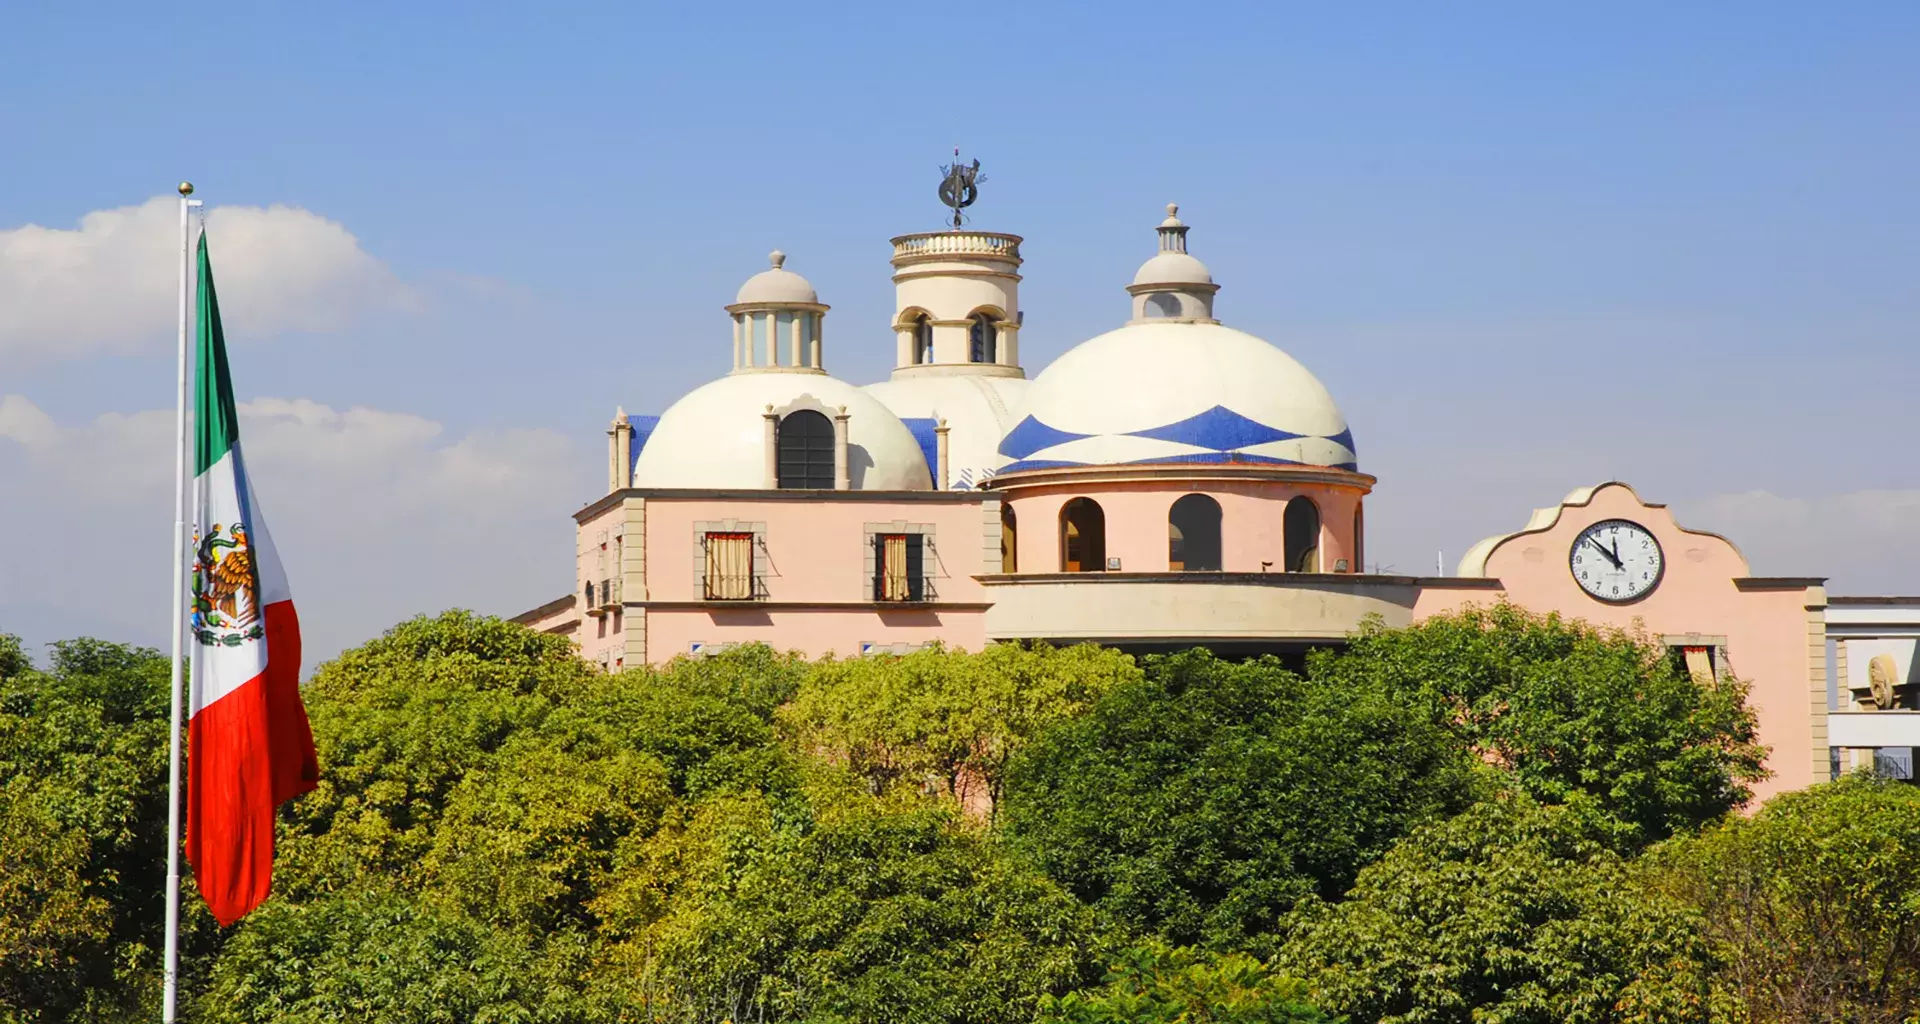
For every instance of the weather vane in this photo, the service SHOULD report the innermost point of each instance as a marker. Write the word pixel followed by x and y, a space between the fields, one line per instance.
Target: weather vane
pixel 960 187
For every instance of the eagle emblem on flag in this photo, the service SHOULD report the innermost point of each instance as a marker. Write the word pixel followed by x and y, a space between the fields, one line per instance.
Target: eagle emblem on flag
pixel 226 608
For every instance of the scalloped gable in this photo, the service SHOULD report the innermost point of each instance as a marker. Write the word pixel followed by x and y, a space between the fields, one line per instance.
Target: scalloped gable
pixel 1474 563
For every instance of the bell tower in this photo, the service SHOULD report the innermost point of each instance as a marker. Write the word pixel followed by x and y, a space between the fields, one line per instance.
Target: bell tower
pixel 957 293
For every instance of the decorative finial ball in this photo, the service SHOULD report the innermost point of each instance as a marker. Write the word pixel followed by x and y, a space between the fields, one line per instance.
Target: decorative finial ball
pixel 186 188
pixel 1173 208
pixel 777 257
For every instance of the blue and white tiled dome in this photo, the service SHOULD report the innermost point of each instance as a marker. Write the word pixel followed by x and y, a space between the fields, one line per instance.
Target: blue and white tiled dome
pixel 1177 392
pixel 1175 386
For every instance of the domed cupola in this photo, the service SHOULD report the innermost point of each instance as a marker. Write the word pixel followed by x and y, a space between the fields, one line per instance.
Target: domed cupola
pixel 777 318
pixel 778 420
pixel 1173 285
pixel 1175 387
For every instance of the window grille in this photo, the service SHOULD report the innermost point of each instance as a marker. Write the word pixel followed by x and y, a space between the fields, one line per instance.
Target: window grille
pixel 805 448
pixel 729 575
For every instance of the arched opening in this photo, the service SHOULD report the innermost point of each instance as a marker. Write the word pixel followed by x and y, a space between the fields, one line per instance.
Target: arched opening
pixel 805 451
pixel 922 339
pixel 984 338
pixel 1193 535
pixel 1301 528
pixel 1162 305
pixel 1359 539
pixel 1083 536
pixel 1009 535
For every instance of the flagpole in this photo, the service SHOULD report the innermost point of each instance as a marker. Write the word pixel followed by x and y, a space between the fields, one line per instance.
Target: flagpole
pixel 170 977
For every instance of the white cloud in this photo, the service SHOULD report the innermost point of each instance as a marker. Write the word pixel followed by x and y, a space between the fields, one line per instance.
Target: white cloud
pixel 1865 542
pixel 379 515
pixel 112 284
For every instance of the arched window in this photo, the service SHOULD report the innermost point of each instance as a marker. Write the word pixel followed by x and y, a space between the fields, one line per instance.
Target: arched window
pixel 1193 535
pixel 1162 305
pixel 1083 536
pixel 805 448
pixel 1301 528
pixel 1359 540
pixel 922 339
pixel 1009 535
pixel 985 338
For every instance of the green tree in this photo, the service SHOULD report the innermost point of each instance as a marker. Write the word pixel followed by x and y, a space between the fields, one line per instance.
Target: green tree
pixel 1566 708
pixel 1512 912
pixel 1159 984
pixel 1813 904
pixel 837 907
pixel 83 755
pixel 1202 800
pixel 952 719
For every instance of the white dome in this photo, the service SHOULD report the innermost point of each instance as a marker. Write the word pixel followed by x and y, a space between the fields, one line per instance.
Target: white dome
pixel 1177 392
pixel 1173 268
pixel 715 436
pixel 978 409
pixel 776 285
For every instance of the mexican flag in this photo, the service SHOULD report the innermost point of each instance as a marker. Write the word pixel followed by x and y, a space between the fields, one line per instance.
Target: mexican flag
pixel 248 746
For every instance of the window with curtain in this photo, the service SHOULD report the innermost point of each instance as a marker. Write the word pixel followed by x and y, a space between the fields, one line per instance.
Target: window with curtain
pixel 899 567
pixel 1301 530
pixel 729 567
pixel 805 451
pixel 1083 536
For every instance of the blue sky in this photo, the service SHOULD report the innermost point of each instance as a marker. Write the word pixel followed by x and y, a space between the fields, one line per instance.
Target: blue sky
pixel 1526 248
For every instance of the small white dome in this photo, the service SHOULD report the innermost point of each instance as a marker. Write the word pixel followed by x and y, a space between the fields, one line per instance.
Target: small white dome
pixel 776 285
pixel 1177 392
pixel 1173 268
pixel 715 436
pixel 979 410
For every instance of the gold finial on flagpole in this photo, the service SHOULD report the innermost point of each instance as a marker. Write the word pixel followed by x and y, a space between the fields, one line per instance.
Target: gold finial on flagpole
pixel 186 188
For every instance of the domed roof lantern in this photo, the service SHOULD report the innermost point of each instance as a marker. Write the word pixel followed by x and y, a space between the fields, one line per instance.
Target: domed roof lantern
pixel 1173 285
pixel 777 322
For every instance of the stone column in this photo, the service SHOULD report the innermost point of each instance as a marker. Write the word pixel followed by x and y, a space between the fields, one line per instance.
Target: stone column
pixel 773 449
pixel 842 479
pixel 1009 354
pixel 736 342
pixel 940 455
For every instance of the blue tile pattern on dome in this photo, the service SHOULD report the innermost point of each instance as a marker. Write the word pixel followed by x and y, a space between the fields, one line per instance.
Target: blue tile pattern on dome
pixel 1222 433
pixel 642 429
pixel 1030 435
pixel 1219 428
pixel 921 427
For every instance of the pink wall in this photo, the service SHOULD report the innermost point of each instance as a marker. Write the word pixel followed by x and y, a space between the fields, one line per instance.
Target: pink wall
pixel 1766 627
pixel 1251 517
pixel 814 631
pixel 815 551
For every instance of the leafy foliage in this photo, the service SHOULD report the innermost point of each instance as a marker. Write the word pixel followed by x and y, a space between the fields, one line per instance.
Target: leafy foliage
pixel 1159 984
pixel 83 755
pixel 1566 708
pixel 1202 801
pixel 1509 912
pixel 1813 904
pixel 951 718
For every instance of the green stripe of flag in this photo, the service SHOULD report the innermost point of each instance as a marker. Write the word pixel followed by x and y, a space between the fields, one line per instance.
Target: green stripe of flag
pixel 216 427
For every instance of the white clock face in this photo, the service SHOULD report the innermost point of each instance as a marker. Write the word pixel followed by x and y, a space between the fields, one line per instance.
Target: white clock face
pixel 1615 560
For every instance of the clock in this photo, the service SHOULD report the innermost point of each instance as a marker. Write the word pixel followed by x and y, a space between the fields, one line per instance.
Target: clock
pixel 1616 561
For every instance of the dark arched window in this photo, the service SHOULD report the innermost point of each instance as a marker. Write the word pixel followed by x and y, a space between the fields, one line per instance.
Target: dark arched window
pixel 922 339
pixel 1301 528
pixel 1009 537
pixel 985 338
pixel 1083 536
pixel 1359 540
pixel 1193 535
pixel 806 451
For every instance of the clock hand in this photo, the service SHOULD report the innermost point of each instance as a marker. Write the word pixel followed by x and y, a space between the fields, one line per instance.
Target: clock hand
pixel 1616 551
pixel 1608 555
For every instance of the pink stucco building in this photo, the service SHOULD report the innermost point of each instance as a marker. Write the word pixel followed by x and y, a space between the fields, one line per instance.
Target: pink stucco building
pixel 1171 482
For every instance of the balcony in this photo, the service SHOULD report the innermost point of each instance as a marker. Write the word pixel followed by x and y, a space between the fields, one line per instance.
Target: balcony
pixel 1873 728
pixel 1194 607
pixel 940 245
